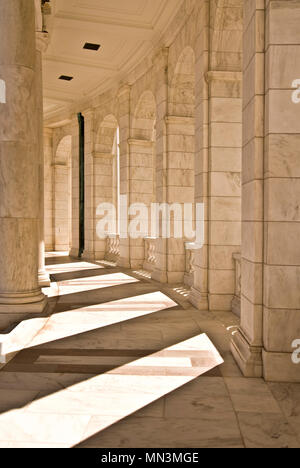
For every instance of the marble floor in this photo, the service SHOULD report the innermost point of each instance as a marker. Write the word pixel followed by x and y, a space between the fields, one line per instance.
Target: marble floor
pixel 123 361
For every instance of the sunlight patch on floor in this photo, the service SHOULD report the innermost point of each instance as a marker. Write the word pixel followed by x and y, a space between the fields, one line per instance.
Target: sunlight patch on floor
pixel 106 263
pixel 71 267
pixel 94 282
pixel 61 253
pixel 63 417
pixel 182 291
pixel 72 322
pixel 143 273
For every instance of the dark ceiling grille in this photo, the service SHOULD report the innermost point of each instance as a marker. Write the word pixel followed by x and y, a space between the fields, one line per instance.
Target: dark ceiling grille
pixel 91 46
pixel 66 78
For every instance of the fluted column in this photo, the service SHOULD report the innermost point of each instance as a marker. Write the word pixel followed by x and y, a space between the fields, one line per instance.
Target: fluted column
pixel 20 293
pixel 42 41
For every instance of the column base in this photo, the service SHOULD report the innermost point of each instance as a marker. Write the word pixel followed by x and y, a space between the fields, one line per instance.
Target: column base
pixel 198 299
pixel 89 256
pixel 248 358
pixel 159 276
pixel 168 277
pixel 110 257
pixel 44 279
pixel 279 367
pixel 236 306
pixel 148 266
pixel 17 307
pixel 188 279
pixel 123 262
pixel 73 253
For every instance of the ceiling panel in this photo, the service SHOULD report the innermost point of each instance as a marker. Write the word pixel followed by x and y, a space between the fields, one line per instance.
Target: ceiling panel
pixel 126 31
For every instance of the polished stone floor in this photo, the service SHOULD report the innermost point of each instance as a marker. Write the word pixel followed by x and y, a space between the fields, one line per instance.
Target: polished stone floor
pixel 123 361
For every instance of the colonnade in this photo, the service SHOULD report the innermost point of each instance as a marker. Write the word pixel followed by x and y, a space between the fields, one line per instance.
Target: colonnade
pixel 209 119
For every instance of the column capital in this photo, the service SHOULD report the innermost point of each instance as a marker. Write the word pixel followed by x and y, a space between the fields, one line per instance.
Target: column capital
pixel 161 57
pixel 179 120
pixel 123 90
pixel 42 40
pixel 99 155
pixel 140 142
pixel 59 164
pixel 223 76
pixel 88 113
pixel 48 132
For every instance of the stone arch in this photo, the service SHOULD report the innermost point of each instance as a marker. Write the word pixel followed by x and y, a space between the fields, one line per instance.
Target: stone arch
pixel 63 150
pixel 106 134
pixel 63 194
pixel 182 88
pixel 144 120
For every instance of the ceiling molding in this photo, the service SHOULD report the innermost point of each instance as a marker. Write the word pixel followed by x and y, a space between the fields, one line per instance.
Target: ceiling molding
pixel 128 25
pixel 80 63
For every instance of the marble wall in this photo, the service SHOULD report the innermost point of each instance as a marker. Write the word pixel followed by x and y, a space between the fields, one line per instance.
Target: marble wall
pixel 270 319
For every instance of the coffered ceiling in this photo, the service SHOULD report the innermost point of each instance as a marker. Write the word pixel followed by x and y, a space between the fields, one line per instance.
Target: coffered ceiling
pixel 127 30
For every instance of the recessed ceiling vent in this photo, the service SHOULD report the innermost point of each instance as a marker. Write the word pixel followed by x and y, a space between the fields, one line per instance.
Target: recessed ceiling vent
pixel 91 46
pixel 66 78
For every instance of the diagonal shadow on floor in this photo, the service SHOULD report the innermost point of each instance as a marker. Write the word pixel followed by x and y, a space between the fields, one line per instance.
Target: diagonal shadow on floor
pixel 123 355
pixel 36 376
pixel 67 276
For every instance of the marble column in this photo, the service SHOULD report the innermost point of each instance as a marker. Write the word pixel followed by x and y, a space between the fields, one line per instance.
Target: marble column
pixel 140 191
pixel 224 184
pixel 90 231
pixel 103 192
pixel 61 208
pixel 20 293
pixel 199 290
pixel 270 299
pixel 124 125
pixel 48 189
pixel 75 187
pixel 42 41
pixel 281 272
pixel 177 189
pixel 248 341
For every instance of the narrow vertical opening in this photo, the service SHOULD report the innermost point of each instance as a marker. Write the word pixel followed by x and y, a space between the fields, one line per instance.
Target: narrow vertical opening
pixel 81 184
